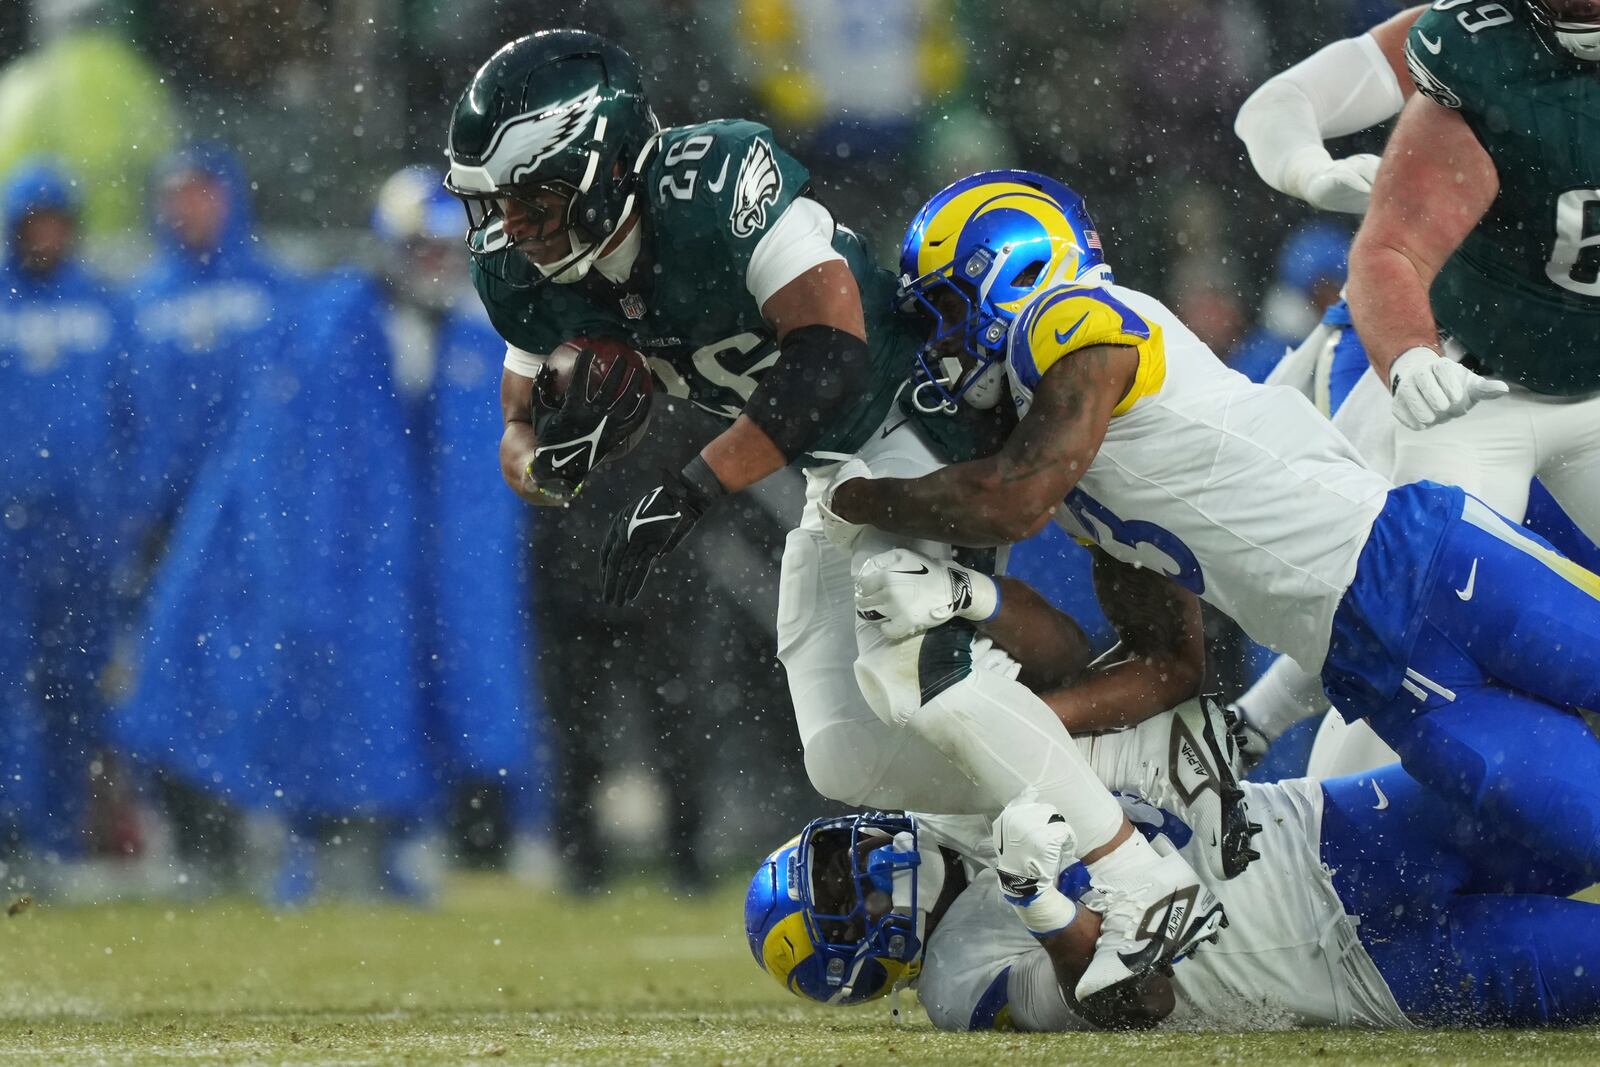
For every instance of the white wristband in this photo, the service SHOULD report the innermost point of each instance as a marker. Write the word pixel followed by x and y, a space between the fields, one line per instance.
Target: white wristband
pixel 985 594
pixel 1048 911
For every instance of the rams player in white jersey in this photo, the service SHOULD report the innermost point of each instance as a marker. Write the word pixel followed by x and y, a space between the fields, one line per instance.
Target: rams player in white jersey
pixel 1372 903
pixel 1463 641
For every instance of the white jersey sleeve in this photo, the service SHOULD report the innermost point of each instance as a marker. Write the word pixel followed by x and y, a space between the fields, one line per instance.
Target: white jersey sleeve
pixel 984 971
pixel 1290 956
pixel 801 239
pixel 520 361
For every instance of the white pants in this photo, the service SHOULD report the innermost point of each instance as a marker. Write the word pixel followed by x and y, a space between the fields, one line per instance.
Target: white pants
pixel 1496 449
pixel 969 746
pixel 851 754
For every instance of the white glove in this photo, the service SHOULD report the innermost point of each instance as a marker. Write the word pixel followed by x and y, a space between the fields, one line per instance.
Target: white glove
pixel 1336 184
pixel 907 593
pixel 840 531
pixel 1429 389
pixel 1035 844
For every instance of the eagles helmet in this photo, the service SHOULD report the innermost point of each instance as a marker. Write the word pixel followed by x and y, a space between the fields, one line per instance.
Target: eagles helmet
pixel 993 239
pixel 807 917
pixel 561 110
pixel 1574 23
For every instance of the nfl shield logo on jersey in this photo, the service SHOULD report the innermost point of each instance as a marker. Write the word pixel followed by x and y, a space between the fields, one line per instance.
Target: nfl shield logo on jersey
pixel 633 306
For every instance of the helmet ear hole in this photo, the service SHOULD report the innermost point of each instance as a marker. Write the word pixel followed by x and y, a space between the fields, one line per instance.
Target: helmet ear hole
pixel 1028 276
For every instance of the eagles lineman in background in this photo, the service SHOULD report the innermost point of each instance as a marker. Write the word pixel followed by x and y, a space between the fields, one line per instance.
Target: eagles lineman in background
pixel 1484 229
pixel 700 246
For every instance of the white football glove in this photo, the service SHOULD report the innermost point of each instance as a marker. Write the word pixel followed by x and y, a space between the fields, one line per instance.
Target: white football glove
pixel 906 593
pixel 1035 844
pixel 1341 184
pixel 841 532
pixel 1429 389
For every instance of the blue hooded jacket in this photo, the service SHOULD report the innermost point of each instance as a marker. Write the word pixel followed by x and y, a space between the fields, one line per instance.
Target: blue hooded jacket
pixel 205 321
pixel 62 334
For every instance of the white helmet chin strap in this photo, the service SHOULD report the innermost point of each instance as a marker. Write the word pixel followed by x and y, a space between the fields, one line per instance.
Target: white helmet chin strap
pixel 577 264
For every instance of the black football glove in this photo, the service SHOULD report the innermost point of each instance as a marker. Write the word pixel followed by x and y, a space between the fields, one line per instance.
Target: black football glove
pixel 651 528
pixel 591 423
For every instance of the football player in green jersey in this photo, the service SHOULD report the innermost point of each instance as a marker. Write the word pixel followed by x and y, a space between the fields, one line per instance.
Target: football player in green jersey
pixel 700 246
pixel 1475 279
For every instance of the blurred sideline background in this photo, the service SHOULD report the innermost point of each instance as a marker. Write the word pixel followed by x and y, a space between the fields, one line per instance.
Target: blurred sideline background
pixel 272 625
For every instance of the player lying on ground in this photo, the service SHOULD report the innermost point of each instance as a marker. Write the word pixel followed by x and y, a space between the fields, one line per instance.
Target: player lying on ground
pixel 701 246
pixel 1464 642
pixel 1457 926
pixel 1455 929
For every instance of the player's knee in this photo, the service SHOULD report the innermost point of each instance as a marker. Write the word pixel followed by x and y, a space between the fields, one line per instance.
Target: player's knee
pixel 837 775
pixel 891 695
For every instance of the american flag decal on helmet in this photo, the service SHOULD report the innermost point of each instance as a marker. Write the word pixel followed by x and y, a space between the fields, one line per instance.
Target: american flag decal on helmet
pixel 1092 239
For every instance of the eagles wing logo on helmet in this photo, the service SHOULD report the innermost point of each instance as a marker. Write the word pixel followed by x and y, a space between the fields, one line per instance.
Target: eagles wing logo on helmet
pixel 758 185
pixel 528 140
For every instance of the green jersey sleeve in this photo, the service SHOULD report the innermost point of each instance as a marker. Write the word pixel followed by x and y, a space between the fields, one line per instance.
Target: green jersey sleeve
pixel 1452 60
pixel 733 178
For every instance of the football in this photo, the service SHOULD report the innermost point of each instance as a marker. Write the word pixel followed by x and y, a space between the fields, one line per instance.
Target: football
pixel 626 389
pixel 607 351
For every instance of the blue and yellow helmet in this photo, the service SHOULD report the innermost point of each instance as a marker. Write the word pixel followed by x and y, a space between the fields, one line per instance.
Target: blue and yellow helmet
pixel 807 918
pixel 993 239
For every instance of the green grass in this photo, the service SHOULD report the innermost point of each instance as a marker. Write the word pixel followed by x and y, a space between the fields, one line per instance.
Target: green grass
pixel 503 974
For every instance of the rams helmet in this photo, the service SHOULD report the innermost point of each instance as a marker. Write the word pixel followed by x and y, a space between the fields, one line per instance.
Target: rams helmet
pixel 993 239
pixel 807 914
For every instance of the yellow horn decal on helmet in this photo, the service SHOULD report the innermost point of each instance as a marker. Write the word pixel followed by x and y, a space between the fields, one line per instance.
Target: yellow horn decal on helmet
pixel 786 947
pixel 948 221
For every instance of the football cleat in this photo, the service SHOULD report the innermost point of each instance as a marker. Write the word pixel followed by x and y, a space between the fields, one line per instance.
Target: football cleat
pixel 1146 927
pixel 1182 762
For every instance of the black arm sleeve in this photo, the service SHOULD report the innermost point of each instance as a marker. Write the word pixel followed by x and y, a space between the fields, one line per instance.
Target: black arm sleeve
pixel 819 371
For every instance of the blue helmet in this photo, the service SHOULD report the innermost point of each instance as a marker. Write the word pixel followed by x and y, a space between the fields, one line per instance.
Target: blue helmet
pixel 807 918
pixel 413 203
pixel 993 239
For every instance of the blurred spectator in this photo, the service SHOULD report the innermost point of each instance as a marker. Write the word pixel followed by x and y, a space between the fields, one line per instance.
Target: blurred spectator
pixel 1310 273
pixel 212 308
pixel 850 87
pixel 476 635
pixel 88 97
pixel 62 332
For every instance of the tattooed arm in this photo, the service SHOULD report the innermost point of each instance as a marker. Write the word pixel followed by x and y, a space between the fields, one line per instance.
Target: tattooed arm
pixel 1010 495
pixel 1159 662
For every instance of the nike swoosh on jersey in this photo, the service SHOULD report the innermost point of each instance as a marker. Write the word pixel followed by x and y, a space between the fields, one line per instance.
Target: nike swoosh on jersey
pixel 1383 801
pixel 920 570
pixel 1435 47
pixel 1063 338
pixel 887 430
pixel 1472 580
pixel 722 176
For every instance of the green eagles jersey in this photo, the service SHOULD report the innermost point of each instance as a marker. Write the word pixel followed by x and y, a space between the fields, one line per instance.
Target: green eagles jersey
pixel 1522 293
pixel 712 191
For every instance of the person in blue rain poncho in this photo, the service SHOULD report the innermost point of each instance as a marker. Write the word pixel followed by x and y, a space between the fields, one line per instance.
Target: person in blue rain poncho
pixel 285 664
pixel 211 309
pixel 62 332
pixel 473 535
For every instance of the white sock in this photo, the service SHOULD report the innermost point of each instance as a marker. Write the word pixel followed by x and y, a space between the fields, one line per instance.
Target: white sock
pixel 1008 741
pixel 1283 696
pixel 1123 863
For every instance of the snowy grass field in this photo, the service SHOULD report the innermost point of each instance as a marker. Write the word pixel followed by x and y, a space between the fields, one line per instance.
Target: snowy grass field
pixel 499 973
